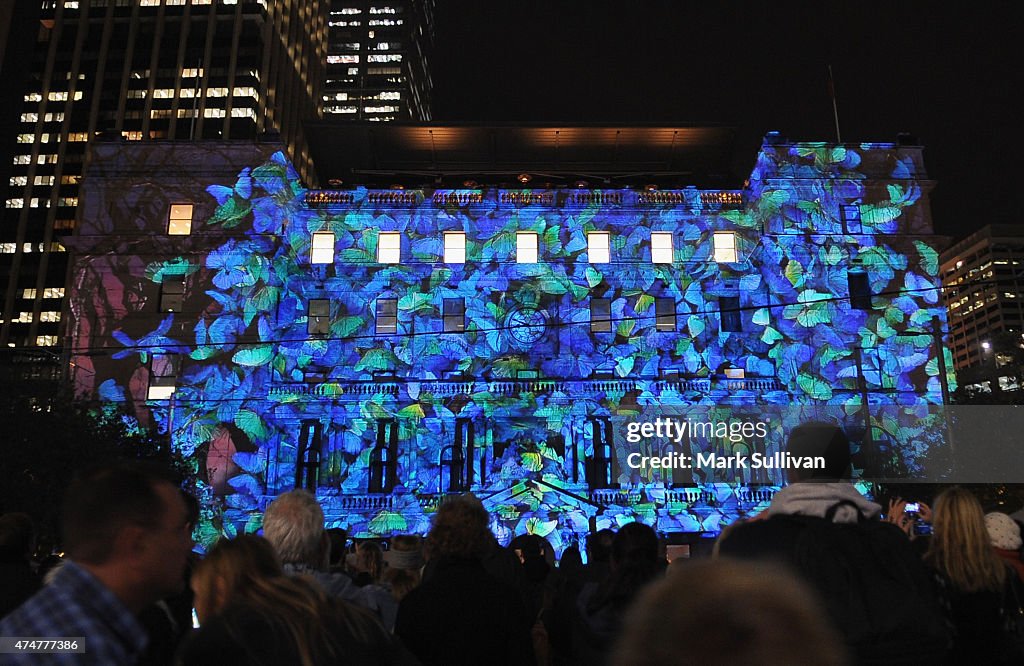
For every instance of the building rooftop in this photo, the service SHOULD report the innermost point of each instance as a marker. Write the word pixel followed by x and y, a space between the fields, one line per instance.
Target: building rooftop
pixel 437 154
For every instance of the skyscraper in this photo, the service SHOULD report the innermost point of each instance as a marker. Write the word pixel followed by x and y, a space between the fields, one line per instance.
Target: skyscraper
pixel 378 56
pixel 139 70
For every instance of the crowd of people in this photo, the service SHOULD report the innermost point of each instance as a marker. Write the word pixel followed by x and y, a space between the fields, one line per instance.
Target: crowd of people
pixel 824 576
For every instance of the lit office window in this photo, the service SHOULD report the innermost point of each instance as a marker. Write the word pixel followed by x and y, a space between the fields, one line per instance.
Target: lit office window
pixel 389 247
pixel 322 250
pixel 724 247
pixel 454 247
pixel 179 221
pixel 661 247
pixel 599 247
pixel 526 247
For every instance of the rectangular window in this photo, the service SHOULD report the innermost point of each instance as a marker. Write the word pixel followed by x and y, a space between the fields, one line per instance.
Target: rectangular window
pixel 163 375
pixel 526 247
pixel 600 315
pixel 454 315
pixel 851 218
pixel 661 247
pixel 180 220
pixel 389 247
pixel 724 247
pixel 860 290
pixel 172 293
pixel 322 248
pixel 665 314
pixel 387 316
pixel 454 247
pixel 599 247
pixel 730 311
pixel 319 317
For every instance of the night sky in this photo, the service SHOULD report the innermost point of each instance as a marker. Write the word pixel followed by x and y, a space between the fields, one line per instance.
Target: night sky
pixel 929 69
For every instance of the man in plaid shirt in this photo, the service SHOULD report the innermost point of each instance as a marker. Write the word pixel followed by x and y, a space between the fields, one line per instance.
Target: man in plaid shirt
pixel 127 535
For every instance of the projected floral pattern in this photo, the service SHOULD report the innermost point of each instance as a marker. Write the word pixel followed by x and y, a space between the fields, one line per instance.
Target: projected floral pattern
pixel 528 371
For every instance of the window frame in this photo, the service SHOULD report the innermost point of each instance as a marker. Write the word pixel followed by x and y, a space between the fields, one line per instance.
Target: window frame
pixel 521 249
pixel 662 321
pixel 321 252
pixel 662 255
pixel 721 253
pixel 318 323
pixel 453 321
pixel 730 314
pixel 172 300
pixel 180 225
pixel 600 322
pixel 452 254
pixel 604 254
pixel 380 316
pixel 163 374
pixel 389 258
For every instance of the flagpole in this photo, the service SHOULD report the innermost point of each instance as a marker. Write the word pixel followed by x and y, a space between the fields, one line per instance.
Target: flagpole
pixel 835 108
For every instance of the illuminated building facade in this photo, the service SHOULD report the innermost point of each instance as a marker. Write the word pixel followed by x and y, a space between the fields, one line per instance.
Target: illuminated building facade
pixel 146 70
pixel 983 276
pixel 385 347
pixel 378 60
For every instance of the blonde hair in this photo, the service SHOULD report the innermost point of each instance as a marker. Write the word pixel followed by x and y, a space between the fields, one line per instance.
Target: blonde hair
pixel 370 558
pixel 728 612
pixel 249 573
pixel 960 549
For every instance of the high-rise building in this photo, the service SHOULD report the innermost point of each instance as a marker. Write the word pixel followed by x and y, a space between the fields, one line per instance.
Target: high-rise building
pixel 983 280
pixel 140 70
pixel 378 57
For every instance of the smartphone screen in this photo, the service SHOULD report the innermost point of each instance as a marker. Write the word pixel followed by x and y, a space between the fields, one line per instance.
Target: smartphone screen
pixel 195 619
pixel 912 507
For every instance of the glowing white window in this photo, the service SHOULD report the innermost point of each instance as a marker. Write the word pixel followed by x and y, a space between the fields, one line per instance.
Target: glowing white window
pixel 389 247
pixel 526 247
pixel 599 247
pixel 163 376
pixel 29 117
pixel 23 159
pixel 179 221
pixel 322 248
pixel 18 181
pixel 661 247
pixel 49 316
pixel 724 247
pixel 454 247
pixel 46 340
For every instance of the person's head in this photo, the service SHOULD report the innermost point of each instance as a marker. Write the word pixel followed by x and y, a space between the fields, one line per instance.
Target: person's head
pixel 131 523
pixel 406 553
pixel 571 562
pixel 17 536
pixel 599 546
pixel 245 572
pixel 814 439
pixel 728 612
pixel 460 530
pixel 294 525
pixel 1003 531
pixel 634 543
pixel 370 559
pixel 960 548
pixel 338 539
pixel 230 566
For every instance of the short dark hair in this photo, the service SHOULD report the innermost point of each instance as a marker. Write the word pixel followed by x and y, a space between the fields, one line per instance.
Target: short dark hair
pixel 103 500
pixel 817 438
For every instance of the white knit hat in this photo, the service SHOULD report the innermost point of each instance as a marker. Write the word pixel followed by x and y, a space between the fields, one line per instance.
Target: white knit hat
pixel 1003 532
